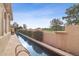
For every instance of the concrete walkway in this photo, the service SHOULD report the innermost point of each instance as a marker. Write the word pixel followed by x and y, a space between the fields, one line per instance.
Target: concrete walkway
pixel 14 48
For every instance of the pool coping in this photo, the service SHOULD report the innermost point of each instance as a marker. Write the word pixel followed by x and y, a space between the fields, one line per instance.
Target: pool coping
pixel 56 50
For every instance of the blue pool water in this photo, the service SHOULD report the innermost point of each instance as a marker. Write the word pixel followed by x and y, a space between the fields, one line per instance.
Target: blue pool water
pixel 34 48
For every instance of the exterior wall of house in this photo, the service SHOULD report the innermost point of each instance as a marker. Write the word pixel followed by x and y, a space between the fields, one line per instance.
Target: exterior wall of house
pixel 1 13
pixel 67 40
pixel 4 27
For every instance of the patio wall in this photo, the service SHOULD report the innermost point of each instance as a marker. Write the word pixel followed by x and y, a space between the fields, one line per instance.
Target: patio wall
pixel 67 40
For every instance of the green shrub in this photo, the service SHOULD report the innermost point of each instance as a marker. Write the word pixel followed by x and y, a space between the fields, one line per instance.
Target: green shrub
pixel 38 35
pixel 29 33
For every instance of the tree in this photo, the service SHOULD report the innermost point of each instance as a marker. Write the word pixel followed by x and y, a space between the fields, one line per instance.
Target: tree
pixel 72 14
pixel 15 25
pixel 20 27
pixel 24 26
pixel 55 24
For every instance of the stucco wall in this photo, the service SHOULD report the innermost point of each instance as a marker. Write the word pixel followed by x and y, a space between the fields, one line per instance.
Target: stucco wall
pixel 72 39
pixel 1 17
pixel 67 40
pixel 4 25
pixel 56 39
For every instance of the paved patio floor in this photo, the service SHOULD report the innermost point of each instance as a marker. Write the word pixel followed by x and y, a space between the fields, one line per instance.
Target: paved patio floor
pixel 14 48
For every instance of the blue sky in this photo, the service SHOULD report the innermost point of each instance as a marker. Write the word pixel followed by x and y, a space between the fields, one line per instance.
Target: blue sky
pixel 38 14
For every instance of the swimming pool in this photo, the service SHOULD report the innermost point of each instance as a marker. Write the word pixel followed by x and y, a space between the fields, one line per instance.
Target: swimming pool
pixel 34 48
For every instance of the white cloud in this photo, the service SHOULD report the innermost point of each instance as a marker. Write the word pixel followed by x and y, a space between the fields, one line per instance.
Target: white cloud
pixel 35 18
pixel 30 21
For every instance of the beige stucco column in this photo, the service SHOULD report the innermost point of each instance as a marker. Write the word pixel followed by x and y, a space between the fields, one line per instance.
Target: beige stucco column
pixel 7 22
pixel 4 22
pixel 4 25
pixel 0 24
pixel 1 19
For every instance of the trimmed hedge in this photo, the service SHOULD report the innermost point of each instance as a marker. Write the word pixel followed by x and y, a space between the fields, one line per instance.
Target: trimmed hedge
pixel 38 35
pixel 28 33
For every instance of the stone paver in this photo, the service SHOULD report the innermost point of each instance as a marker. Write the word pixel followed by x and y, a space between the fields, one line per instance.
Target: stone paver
pixel 10 47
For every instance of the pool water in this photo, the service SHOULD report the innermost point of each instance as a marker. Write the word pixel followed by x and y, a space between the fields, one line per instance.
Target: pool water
pixel 34 48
